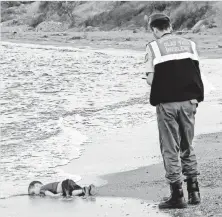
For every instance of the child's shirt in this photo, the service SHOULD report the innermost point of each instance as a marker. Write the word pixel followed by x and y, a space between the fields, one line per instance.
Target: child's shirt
pixel 52 187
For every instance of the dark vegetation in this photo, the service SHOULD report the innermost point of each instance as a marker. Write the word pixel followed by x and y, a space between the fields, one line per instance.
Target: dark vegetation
pixel 119 15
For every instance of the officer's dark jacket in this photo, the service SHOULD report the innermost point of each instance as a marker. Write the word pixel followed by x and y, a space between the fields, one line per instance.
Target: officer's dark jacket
pixel 177 75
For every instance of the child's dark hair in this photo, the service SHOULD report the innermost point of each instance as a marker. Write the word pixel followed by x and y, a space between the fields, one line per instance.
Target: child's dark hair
pixel 68 186
pixel 32 184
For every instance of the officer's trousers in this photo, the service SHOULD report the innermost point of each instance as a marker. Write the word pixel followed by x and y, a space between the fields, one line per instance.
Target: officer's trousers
pixel 176 131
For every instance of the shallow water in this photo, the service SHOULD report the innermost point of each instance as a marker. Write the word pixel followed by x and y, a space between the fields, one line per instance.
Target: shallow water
pixel 55 100
pixel 60 104
pixel 93 207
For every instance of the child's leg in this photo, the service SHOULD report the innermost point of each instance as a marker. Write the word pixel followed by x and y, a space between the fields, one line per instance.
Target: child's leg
pixel 85 191
pixel 79 192
pixel 76 189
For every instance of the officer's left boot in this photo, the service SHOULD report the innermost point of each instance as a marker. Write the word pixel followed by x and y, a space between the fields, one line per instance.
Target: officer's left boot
pixel 193 190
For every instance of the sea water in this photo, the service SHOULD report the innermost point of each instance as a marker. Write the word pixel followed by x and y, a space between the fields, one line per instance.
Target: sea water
pixel 61 104
pixel 55 100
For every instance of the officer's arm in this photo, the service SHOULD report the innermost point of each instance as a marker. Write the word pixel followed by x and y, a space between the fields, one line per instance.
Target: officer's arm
pixel 149 66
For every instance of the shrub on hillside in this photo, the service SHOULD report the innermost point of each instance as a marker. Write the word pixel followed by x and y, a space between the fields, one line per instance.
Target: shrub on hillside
pixel 118 17
pixel 158 6
pixel 62 10
pixel 217 12
pixel 115 15
pixel 8 4
pixel 127 14
pixel 189 13
pixel 36 20
pixel 8 14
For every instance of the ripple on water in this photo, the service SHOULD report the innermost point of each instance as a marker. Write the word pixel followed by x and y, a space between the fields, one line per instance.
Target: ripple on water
pixel 43 83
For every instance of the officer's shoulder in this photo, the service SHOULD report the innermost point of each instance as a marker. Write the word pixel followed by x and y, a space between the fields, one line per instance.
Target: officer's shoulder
pixel 149 43
pixel 149 54
pixel 185 38
pixel 190 40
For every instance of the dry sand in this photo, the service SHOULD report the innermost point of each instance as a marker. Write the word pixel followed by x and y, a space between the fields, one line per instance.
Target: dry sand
pixel 148 183
pixel 209 43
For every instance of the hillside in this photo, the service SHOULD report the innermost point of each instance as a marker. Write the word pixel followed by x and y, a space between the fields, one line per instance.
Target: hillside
pixel 110 15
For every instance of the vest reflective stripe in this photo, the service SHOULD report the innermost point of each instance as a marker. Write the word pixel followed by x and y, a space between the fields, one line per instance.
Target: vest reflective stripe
pixel 194 49
pixel 155 49
pixel 174 48
pixel 151 50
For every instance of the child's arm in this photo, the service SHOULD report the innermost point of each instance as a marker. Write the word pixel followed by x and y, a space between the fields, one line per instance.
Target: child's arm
pixel 49 193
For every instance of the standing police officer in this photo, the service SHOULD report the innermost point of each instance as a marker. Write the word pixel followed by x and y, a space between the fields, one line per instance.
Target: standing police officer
pixel 176 88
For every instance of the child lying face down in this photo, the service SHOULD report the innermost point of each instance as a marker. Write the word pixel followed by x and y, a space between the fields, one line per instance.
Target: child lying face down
pixel 64 188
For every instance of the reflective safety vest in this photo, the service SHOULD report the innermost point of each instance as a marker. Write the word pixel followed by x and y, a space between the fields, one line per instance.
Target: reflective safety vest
pixel 177 75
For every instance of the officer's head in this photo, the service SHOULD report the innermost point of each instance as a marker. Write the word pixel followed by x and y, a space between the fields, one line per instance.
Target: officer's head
pixel 159 24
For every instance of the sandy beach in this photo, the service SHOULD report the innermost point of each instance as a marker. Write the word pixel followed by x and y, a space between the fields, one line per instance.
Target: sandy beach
pixel 125 163
pixel 209 44
pixel 146 186
pixel 148 183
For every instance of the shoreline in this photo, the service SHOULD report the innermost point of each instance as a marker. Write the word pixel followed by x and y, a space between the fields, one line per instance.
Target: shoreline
pixel 133 183
pixel 208 44
pixel 136 192
pixel 148 183
pixel 69 167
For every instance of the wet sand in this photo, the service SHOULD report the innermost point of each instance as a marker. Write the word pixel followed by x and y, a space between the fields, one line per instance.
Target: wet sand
pixel 94 207
pixel 134 193
pixel 148 183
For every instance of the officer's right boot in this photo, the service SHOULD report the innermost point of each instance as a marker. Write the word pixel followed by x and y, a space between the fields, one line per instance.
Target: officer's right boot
pixel 167 198
pixel 193 190
pixel 176 200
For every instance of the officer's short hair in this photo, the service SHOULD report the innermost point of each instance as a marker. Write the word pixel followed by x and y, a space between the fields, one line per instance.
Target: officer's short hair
pixel 159 21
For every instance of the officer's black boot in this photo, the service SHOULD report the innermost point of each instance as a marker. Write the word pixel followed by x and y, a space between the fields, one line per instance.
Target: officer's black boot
pixel 176 200
pixel 193 190
pixel 167 198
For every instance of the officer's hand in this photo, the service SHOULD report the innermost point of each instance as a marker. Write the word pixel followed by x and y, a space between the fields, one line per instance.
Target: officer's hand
pixel 149 78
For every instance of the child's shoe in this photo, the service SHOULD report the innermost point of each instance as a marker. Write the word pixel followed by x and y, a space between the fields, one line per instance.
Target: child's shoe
pixel 86 191
pixel 89 191
pixel 92 190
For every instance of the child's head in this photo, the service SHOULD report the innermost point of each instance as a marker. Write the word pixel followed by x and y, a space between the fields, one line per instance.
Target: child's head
pixel 34 188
